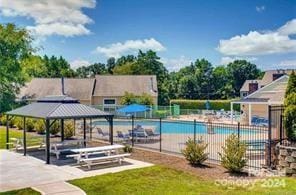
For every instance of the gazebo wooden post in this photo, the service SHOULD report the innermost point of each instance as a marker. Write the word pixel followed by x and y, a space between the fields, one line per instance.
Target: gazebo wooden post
pixel 84 131
pixel 62 130
pixel 7 132
pixel 47 142
pixel 24 136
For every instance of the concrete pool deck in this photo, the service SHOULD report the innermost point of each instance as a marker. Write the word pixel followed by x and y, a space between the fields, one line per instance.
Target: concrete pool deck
pixel 18 171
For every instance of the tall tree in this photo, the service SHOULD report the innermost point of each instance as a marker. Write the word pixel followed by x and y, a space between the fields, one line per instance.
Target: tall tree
pixel 33 66
pixel 57 67
pixel 241 70
pixel 110 65
pixel 15 46
pixel 97 68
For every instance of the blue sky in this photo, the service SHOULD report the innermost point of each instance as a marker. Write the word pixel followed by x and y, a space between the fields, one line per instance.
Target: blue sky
pixel 87 31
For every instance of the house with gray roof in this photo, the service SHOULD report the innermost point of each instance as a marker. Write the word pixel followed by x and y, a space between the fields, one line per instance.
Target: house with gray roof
pixel 250 86
pixel 256 103
pixel 103 90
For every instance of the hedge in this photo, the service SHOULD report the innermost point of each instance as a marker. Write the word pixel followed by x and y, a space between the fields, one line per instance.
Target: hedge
pixel 201 104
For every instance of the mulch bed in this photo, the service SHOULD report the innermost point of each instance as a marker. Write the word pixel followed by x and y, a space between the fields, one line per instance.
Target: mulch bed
pixel 207 172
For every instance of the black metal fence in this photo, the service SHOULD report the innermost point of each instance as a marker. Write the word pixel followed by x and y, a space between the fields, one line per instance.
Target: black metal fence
pixel 170 136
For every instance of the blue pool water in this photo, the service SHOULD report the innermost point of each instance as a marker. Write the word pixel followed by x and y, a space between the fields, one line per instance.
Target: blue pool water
pixel 177 127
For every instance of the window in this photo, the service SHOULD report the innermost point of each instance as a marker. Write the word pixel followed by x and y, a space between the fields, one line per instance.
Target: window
pixel 109 105
pixel 245 94
pixel 109 102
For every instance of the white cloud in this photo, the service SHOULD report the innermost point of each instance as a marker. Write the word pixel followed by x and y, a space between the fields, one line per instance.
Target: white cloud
pixel 130 46
pixel 54 17
pixel 289 28
pixel 226 60
pixel 261 43
pixel 176 64
pixel 288 63
pixel 78 63
pixel 260 8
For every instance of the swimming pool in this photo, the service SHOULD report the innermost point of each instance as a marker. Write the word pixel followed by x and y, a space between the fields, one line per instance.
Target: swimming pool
pixel 184 127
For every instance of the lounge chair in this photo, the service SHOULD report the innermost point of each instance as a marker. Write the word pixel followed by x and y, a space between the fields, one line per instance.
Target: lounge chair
pixel 151 134
pixel 122 136
pixel 138 134
pixel 102 133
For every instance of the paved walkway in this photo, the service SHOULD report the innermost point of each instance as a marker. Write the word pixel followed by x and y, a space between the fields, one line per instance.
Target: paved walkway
pixel 58 188
pixel 18 171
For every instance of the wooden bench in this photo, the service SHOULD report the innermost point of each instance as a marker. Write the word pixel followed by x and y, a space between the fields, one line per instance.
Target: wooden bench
pixel 97 160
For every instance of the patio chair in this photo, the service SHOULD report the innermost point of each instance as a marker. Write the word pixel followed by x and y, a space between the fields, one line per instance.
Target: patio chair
pixel 151 134
pixel 122 136
pixel 138 134
pixel 102 133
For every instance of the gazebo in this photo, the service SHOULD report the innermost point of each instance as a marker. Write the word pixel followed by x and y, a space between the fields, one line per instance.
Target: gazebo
pixel 52 109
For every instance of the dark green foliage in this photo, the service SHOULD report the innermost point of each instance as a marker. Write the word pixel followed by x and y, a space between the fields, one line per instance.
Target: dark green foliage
pixel 57 67
pixel 290 121
pixel 55 128
pixel 201 104
pixel 291 87
pixel 30 124
pixel 39 126
pixel 194 151
pixel 233 155
pixel 15 45
pixel 239 71
pixel 68 129
pixel 290 110
pixel 130 98
pixel 19 122
pixel 128 148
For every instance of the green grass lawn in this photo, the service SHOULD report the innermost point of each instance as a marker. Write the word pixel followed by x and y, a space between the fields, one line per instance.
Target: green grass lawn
pixel 162 180
pixel 26 191
pixel 13 133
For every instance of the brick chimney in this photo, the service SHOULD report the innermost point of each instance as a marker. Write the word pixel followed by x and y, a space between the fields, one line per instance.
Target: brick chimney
pixel 253 86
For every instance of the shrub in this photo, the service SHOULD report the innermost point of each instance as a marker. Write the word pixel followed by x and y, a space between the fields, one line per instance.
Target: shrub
pixel 55 128
pixel 290 121
pixel 130 98
pixel 233 154
pixel 290 111
pixel 201 104
pixel 161 113
pixel 128 148
pixel 68 129
pixel 194 152
pixel 40 126
pixel 3 120
pixel 30 124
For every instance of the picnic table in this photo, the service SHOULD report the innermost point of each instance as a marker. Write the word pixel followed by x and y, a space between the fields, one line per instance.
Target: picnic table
pixel 85 152
pixel 65 146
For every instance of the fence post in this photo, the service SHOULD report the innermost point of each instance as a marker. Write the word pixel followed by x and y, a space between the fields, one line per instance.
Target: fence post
pixel 194 130
pixel 269 136
pixel 133 123
pixel 238 130
pixel 281 128
pixel 160 134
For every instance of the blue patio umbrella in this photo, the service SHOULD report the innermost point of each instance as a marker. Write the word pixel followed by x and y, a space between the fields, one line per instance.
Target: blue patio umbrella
pixel 133 108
